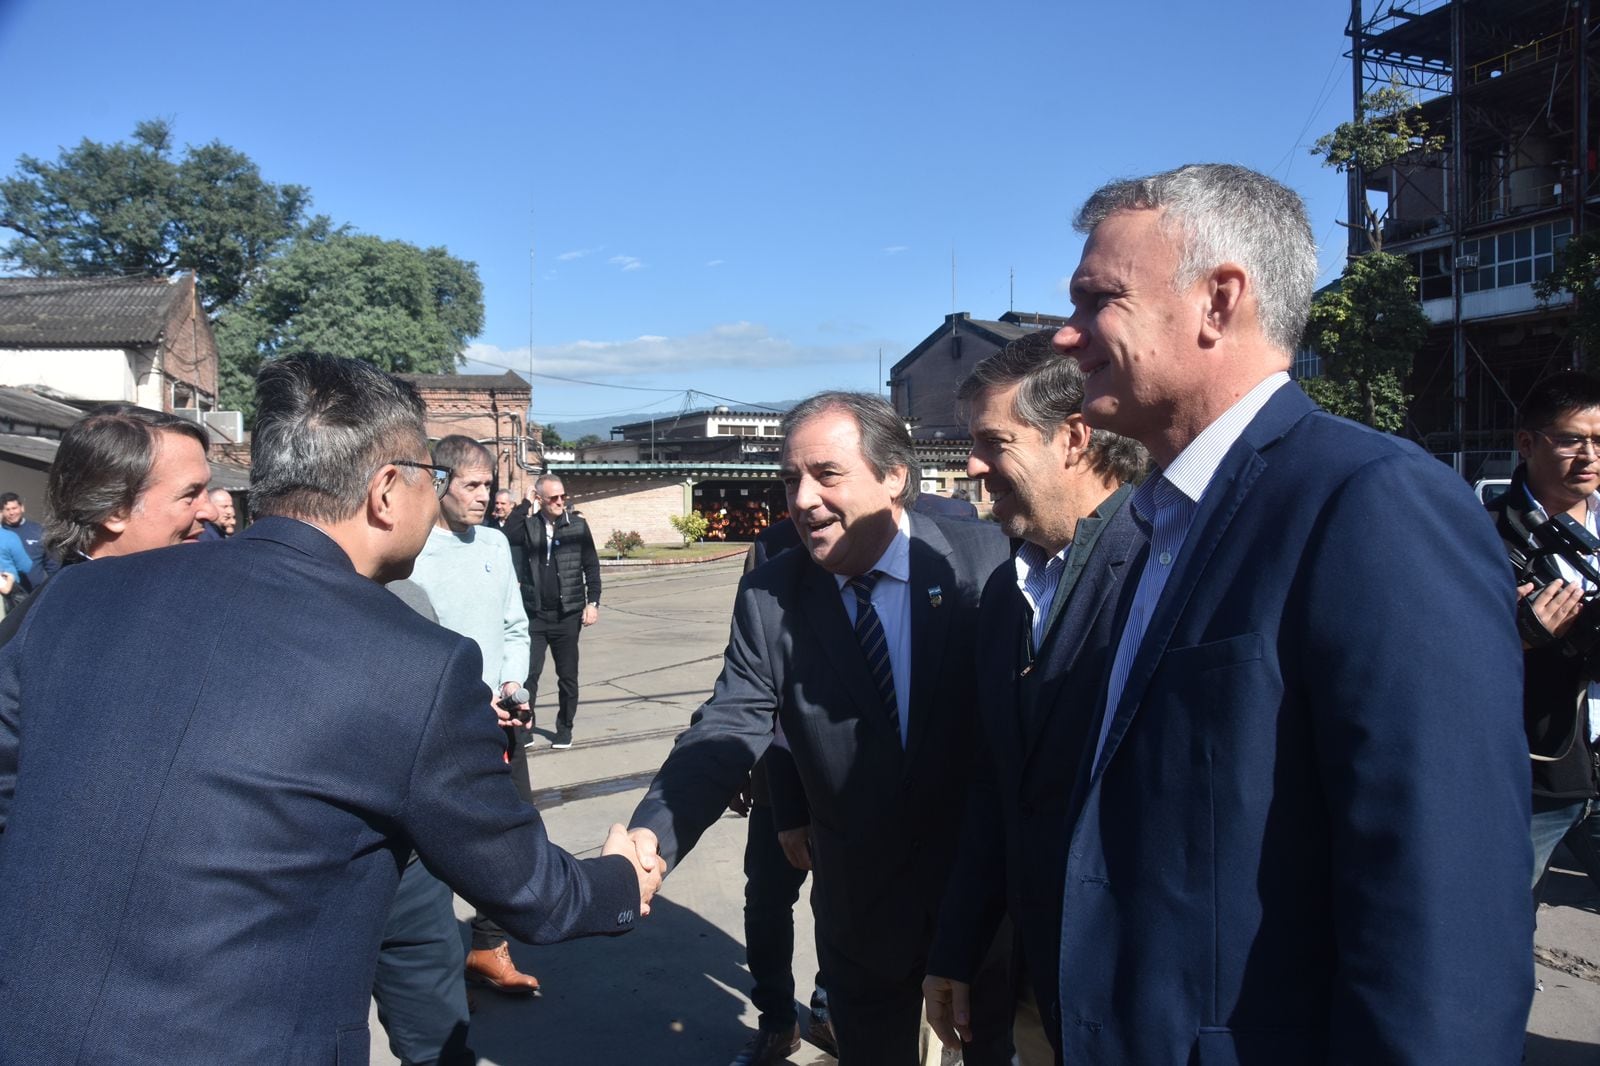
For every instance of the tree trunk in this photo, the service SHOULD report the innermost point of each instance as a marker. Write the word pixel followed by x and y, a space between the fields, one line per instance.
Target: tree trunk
pixel 1369 406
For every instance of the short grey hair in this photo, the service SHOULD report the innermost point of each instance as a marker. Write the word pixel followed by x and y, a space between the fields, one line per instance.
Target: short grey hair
pixel 461 452
pixel 1050 391
pixel 885 441
pixel 1220 213
pixel 324 426
pixel 545 479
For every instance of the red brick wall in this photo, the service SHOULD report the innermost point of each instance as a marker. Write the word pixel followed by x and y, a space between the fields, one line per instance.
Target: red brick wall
pixel 188 348
pixel 491 416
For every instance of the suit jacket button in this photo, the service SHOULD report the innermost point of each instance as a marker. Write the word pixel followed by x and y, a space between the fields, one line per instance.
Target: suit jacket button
pixel 1027 810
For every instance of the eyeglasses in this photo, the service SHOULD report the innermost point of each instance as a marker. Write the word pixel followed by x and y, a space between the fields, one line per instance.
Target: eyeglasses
pixel 440 474
pixel 553 497
pixel 1568 446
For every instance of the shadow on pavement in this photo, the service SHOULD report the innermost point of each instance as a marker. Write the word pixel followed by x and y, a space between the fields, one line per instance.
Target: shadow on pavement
pixel 660 994
pixel 1548 1051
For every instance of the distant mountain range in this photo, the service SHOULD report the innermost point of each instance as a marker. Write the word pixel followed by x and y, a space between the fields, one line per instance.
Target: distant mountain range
pixel 601 427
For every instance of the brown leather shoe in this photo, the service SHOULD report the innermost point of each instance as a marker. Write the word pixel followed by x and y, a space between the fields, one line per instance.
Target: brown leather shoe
pixel 768 1048
pixel 493 967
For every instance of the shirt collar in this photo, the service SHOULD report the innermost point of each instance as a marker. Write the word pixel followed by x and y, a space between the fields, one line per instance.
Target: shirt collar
pixel 1194 467
pixel 1031 557
pixel 895 561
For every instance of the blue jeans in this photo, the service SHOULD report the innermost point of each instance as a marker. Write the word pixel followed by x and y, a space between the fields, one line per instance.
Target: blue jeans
pixel 1576 822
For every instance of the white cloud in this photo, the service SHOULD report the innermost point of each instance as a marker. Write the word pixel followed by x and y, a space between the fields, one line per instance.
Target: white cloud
pixel 715 262
pixel 727 346
pixel 894 249
pixel 579 253
pixel 627 262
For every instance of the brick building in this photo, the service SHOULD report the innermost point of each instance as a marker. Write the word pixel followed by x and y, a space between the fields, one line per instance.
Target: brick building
pixel 102 340
pixel 491 409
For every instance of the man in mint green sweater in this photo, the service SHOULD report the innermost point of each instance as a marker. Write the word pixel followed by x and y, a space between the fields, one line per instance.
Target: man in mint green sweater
pixel 465 568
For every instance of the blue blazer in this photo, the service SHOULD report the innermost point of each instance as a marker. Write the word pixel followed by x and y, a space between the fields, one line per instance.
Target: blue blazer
pixel 1306 838
pixel 1034 717
pixel 214 762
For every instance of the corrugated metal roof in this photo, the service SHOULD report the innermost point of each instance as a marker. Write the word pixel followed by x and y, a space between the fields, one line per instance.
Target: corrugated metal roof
pixel 87 312
pixel 24 408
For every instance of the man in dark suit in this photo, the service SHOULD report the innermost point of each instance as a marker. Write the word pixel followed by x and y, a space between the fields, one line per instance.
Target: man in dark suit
pixel 858 646
pixel 1304 833
pixel 204 875
pixel 1045 629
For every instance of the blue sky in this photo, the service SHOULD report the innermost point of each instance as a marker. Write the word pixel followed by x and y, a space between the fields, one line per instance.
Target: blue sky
pixel 750 200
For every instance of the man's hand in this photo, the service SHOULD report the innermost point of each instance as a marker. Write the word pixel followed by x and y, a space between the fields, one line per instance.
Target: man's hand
pixel 591 614
pixel 1557 605
pixel 510 719
pixel 949 1010
pixel 8 581
pixel 646 864
pixel 796 844
pixel 742 800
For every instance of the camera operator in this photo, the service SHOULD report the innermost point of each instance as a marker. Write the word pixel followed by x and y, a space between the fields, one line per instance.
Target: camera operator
pixel 1558 437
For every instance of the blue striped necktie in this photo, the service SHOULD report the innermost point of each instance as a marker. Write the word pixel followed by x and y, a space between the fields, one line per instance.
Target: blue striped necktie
pixel 869 631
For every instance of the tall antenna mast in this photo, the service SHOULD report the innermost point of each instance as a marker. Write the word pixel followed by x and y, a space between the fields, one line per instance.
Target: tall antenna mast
pixel 1011 304
pixel 952 279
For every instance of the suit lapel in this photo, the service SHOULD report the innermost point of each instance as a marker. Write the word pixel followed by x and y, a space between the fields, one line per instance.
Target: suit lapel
pixel 930 626
pixel 825 617
pixel 1228 489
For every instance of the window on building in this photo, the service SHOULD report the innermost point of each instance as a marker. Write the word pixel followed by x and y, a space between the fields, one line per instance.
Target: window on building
pixel 1519 257
pixel 1434 267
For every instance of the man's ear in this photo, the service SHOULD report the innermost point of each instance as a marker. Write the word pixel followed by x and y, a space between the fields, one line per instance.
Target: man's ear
pixel 1071 440
pixel 1224 292
pixel 1524 444
pixel 383 492
pixel 115 522
pixel 895 480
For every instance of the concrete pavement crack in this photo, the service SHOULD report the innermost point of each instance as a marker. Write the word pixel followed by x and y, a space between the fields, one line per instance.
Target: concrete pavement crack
pixel 1567 963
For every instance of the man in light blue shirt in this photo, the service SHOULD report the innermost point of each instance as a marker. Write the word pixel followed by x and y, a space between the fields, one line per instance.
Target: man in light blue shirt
pixel 1314 690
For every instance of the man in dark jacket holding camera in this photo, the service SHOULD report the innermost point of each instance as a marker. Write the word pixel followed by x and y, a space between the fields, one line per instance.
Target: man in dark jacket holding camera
pixel 1558 436
pixel 560 575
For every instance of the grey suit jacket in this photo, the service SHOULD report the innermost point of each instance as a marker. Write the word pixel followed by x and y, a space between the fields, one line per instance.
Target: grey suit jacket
pixel 880 815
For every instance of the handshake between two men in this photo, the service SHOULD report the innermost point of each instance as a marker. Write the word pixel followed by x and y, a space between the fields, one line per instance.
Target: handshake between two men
pixel 639 847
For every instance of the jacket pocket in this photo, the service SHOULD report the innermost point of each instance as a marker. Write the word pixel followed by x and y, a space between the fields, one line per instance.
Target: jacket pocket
pixel 354 1045
pixel 1258 1047
pixel 1214 654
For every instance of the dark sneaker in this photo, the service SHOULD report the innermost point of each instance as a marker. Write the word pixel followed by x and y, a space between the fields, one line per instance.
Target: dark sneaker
pixel 563 740
pixel 767 1048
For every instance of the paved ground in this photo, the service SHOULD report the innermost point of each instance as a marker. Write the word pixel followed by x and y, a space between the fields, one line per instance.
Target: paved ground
pixel 672 993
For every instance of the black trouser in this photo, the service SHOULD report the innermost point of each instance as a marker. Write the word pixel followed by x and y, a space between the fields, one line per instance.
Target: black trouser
pixel 771 889
pixel 877 1017
pixel 559 633
pixel 421 1000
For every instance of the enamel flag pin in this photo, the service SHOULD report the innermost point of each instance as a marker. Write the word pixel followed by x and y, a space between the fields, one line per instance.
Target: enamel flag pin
pixel 935 596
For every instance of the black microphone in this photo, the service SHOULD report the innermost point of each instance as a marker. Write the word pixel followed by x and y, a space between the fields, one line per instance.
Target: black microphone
pixel 514 701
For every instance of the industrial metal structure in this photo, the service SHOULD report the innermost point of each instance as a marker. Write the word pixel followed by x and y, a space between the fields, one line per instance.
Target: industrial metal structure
pixel 1510 85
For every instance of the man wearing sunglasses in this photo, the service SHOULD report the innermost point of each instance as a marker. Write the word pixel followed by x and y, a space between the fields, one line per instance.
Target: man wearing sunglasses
pixel 1559 441
pixel 560 574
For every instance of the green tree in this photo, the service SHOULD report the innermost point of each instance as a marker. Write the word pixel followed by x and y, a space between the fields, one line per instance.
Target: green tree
pixel 1367 331
pixel 551 436
pixel 588 439
pixel 1577 271
pixel 1389 130
pixel 691 527
pixel 132 208
pixel 401 308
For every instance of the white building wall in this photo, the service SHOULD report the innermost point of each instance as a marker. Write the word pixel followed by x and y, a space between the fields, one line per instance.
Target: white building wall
pixel 109 374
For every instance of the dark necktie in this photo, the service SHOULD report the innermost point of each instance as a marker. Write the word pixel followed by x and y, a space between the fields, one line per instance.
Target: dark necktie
pixel 869 631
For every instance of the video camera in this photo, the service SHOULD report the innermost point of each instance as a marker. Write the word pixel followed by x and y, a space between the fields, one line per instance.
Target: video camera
pixel 1564 537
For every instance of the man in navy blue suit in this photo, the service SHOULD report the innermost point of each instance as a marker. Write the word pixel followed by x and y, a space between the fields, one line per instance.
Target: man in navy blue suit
pixel 1302 835
pixel 1060 491
pixel 203 876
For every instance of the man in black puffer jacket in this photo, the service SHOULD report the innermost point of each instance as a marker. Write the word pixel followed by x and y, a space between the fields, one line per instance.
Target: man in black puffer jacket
pixel 559 570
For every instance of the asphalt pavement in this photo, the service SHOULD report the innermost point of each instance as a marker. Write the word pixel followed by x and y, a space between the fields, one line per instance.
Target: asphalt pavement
pixel 673 991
